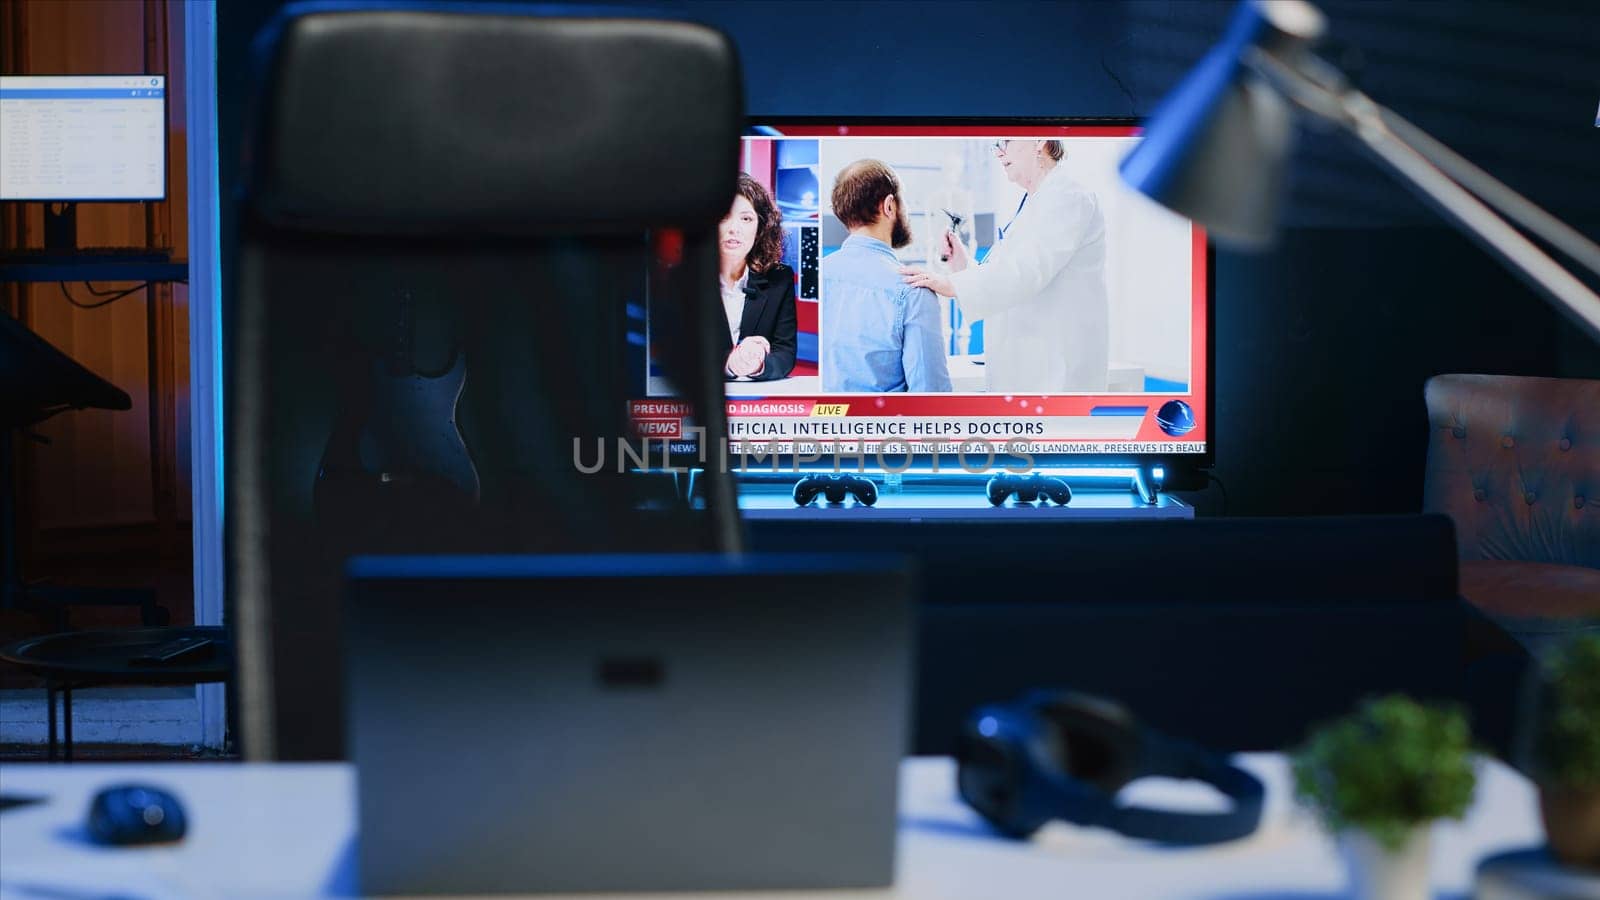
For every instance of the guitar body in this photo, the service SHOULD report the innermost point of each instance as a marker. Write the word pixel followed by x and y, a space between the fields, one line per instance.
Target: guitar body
pixel 395 470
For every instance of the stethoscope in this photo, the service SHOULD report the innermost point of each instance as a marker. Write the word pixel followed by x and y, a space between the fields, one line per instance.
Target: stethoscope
pixel 955 310
pixel 1002 231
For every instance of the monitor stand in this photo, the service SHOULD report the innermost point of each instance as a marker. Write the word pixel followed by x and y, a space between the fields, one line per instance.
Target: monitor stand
pixel 61 228
pixel 61 243
pixel 1147 486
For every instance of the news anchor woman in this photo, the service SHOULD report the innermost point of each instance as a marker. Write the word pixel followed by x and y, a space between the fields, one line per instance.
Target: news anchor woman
pixel 757 289
pixel 1041 291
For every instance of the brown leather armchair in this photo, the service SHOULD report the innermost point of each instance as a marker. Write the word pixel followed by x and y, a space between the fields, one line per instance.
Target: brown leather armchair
pixel 1515 462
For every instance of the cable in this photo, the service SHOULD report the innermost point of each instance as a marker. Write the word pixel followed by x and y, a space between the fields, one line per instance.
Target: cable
pixel 1133 104
pixel 110 296
pixel 99 293
pixel 1222 487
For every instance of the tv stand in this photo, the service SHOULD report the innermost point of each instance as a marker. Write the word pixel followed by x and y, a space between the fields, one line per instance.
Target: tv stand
pixel 1147 487
pixel 945 502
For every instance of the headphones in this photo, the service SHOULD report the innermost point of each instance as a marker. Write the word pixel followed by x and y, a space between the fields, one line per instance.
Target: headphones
pixel 1060 755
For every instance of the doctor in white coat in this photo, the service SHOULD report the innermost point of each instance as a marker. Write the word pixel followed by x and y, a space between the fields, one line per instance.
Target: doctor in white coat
pixel 1041 291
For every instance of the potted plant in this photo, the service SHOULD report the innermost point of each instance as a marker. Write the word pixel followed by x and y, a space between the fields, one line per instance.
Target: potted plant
pixel 1378 778
pixel 1567 752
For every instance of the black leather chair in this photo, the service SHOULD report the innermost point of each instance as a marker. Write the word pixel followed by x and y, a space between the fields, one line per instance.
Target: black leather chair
pixel 1515 463
pixel 444 201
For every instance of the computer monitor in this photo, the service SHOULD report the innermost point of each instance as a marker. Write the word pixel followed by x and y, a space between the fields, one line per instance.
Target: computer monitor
pixel 69 138
pixel 1078 327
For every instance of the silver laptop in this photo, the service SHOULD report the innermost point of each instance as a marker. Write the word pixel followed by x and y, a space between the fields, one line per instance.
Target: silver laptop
pixel 620 723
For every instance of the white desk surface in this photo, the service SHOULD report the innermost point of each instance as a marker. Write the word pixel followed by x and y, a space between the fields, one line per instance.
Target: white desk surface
pixel 284 831
pixel 807 385
pixel 967 376
pixel 783 387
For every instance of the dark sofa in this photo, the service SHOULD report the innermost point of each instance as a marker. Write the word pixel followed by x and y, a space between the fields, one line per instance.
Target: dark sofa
pixel 1239 633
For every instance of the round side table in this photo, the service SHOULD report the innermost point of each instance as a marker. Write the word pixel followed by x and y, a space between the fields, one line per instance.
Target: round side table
pixel 74 660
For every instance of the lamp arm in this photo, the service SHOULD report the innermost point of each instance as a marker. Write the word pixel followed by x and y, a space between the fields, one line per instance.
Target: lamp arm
pixel 1313 85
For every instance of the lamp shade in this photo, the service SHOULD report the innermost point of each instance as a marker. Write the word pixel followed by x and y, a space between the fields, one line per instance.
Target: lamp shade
pixel 1217 147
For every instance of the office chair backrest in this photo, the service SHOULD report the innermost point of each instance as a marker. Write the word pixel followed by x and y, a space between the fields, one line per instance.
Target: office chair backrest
pixel 1516 463
pixel 443 205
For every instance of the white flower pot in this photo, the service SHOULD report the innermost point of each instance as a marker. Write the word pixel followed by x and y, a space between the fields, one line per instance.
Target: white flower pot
pixel 1380 874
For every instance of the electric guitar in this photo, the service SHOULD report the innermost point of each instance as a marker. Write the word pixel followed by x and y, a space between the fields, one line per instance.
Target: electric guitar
pixel 395 466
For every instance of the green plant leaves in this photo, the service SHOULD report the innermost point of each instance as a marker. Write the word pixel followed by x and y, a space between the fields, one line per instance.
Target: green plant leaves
pixel 1387 767
pixel 1568 738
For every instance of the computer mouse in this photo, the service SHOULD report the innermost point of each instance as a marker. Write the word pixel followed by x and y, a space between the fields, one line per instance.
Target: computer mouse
pixel 130 814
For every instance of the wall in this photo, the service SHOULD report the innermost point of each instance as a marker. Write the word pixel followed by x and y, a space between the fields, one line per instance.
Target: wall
pixel 1323 346
pixel 107 500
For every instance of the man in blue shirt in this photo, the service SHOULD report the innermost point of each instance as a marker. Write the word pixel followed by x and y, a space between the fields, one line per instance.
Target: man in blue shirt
pixel 878 333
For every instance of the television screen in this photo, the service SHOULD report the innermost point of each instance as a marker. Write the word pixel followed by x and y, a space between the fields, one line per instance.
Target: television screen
pixel 923 289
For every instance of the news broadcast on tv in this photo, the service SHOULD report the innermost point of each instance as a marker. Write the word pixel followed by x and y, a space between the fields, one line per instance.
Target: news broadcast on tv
pixel 926 289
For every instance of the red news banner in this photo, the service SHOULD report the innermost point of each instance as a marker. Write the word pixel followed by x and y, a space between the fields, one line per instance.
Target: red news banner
pixel 929 424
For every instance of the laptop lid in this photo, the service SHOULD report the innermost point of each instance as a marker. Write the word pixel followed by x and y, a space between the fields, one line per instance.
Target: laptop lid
pixel 627 722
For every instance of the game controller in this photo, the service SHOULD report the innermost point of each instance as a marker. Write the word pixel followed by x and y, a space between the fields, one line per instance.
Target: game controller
pixel 834 488
pixel 1028 488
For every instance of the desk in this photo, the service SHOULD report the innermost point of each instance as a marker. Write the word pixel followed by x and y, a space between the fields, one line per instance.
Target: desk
pixel 284 830
pixel 88 267
pixel 967 376
pixel 793 386
pixel 38 381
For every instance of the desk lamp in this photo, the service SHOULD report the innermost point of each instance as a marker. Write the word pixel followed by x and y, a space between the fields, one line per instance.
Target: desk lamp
pixel 1217 147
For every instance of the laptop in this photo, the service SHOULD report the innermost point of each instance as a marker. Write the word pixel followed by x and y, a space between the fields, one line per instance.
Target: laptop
pixel 627 722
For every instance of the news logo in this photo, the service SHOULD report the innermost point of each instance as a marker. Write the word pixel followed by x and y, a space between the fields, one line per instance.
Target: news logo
pixel 1175 418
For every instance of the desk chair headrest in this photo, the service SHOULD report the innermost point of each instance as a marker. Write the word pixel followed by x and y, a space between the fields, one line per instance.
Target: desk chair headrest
pixel 485 123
